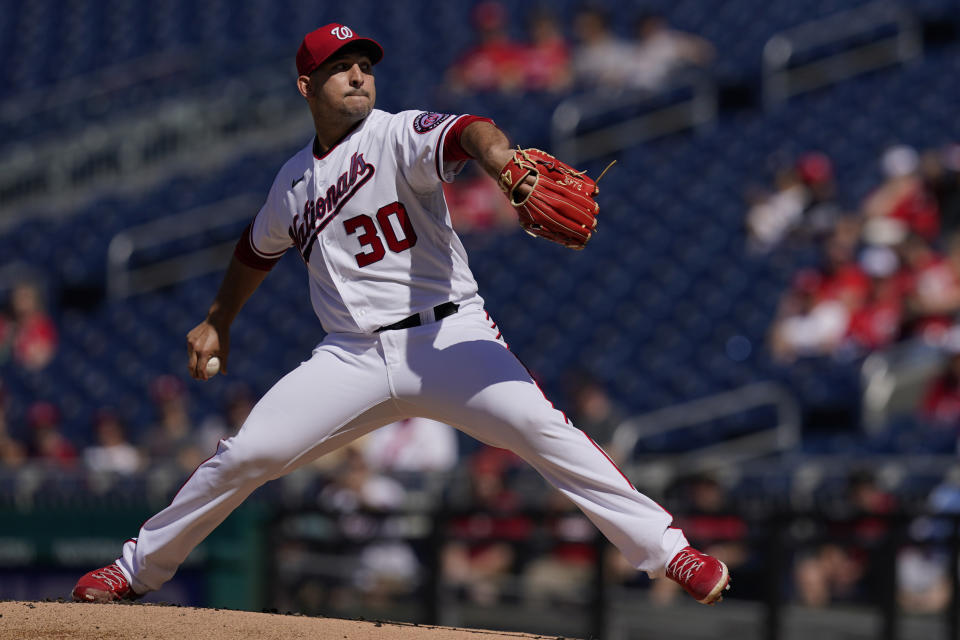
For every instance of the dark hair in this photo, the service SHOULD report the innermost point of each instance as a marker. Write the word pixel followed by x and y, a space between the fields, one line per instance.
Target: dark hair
pixel 597 10
pixel 645 16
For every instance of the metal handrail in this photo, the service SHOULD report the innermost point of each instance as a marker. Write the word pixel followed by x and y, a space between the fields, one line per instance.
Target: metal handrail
pixel 123 281
pixel 700 109
pixel 784 436
pixel 781 80
pixel 204 129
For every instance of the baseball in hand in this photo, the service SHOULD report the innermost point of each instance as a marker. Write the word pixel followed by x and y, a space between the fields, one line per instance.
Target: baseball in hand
pixel 213 366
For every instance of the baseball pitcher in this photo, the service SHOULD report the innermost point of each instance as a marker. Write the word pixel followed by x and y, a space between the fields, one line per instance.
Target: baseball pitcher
pixel 406 330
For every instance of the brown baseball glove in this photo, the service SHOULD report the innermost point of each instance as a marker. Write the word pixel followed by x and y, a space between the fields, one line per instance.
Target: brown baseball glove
pixel 560 207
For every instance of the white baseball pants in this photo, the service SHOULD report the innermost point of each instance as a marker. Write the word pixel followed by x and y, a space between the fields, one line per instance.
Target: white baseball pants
pixel 457 371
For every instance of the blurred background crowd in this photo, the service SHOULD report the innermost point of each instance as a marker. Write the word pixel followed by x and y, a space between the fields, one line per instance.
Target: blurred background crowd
pixel 808 242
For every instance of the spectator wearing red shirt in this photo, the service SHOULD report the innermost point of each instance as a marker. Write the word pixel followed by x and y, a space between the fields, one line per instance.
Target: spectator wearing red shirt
pixel 904 195
pixel 482 554
pixel 876 323
pixel 477 205
pixel 33 333
pixel 709 521
pixel 546 57
pixel 940 406
pixel 842 565
pixel 564 573
pixel 49 444
pixel 843 279
pixel 933 286
pixel 814 316
pixel 495 63
pixel 807 324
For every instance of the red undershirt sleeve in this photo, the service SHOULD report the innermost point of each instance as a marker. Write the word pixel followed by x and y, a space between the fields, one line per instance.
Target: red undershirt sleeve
pixel 453 151
pixel 246 254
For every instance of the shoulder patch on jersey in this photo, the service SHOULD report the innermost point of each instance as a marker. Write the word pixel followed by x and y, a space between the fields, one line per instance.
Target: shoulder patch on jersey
pixel 428 120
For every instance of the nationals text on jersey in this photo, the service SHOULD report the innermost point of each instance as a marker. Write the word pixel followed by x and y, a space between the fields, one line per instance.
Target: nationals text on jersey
pixel 318 214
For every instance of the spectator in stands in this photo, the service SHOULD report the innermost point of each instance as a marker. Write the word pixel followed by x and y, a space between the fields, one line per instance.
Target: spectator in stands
pixel 482 554
pixel 601 60
pixel 876 323
pixel 814 316
pixel 477 205
pixel 923 578
pixel 49 445
pixel 933 286
pixel 773 216
pixel 414 444
pixel 803 205
pixel 885 232
pixel 940 169
pixel 32 333
pixel 840 567
pixel 923 585
pixel 842 276
pixel 13 453
pixel 595 412
pixel 495 63
pixel 388 565
pixel 903 195
pixel 940 405
pixel 113 452
pixel 704 509
pixel 171 440
pixel 808 323
pixel 6 336
pixel 546 56
pixel 822 212
pixel 563 572
pixel 662 54
pixel 238 403
pixel 825 574
pixel 356 486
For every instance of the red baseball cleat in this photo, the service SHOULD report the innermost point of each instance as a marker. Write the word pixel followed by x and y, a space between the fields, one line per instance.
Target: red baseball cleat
pixel 104 585
pixel 702 576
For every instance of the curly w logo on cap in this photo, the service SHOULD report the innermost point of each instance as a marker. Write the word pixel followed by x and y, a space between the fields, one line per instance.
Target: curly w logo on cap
pixel 319 45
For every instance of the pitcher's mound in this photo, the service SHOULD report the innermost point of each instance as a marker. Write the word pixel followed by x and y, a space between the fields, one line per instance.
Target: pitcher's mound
pixel 76 621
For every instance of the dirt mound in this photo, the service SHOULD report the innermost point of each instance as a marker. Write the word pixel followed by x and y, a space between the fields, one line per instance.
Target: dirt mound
pixel 74 621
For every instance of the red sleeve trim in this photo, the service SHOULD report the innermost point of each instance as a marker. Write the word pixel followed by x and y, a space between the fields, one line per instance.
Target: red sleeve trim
pixel 246 254
pixel 453 151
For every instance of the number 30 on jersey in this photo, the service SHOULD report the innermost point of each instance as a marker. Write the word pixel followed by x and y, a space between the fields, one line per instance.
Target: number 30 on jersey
pixel 394 227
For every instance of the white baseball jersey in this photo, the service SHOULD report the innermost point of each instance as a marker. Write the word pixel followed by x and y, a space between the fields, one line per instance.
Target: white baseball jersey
pixel 370 221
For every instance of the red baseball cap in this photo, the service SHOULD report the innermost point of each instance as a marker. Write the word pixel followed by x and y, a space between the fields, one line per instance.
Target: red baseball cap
pixel 43 414
pixel 815 167
pixel 319 45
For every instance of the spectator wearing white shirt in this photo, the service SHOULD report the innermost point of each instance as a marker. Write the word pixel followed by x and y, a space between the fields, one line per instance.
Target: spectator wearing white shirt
pixel 601 60
pixel 414 444
pixel 113 452
pixel 661 53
